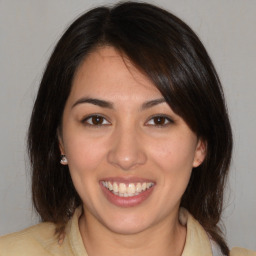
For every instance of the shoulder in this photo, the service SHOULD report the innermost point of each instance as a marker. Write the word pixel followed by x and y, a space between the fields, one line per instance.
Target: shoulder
pixel 31 241
pixel 198 242
pixel 241 252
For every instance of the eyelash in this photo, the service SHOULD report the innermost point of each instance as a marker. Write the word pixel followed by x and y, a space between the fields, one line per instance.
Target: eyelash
pixel 167 121
pixel 85 121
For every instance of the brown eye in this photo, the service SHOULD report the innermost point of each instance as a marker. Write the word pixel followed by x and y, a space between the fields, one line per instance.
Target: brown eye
pixel 96 120
pixel 160 121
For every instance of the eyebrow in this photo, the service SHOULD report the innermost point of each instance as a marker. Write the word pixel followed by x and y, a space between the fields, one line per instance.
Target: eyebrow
pixel 152 103
pixel 97 102
pixel 110 105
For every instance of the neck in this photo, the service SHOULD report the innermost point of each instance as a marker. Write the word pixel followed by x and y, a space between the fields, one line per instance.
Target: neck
pixel 166 238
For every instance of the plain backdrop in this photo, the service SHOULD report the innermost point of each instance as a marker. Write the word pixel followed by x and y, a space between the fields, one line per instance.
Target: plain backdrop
pixel 29 30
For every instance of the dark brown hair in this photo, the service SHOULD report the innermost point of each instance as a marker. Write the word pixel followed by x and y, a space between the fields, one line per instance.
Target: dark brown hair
pixel 171 55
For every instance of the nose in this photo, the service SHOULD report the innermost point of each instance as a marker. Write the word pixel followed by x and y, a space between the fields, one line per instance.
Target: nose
pixel 126 151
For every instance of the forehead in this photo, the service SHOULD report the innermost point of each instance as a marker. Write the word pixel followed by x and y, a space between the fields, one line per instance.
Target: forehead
pixel 106 72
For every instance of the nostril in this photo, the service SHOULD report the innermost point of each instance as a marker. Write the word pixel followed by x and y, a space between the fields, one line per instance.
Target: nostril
pixel 126 150
pixel 126 161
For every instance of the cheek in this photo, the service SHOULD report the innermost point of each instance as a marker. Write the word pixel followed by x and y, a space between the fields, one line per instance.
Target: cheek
pixel 174 160
pixel 84 154
pixel 175 153
pixel 84 157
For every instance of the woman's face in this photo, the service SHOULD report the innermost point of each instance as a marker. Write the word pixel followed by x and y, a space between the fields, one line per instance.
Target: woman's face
pixel 130 156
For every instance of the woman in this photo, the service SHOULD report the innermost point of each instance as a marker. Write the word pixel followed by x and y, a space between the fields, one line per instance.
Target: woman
pixel 129 141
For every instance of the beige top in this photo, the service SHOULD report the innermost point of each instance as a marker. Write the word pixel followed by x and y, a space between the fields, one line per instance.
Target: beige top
pixel 40 240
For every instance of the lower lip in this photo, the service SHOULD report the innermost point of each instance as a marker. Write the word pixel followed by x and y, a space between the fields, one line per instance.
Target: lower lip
pixel 126 201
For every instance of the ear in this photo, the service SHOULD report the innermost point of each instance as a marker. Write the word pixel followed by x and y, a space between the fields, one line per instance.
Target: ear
pixel 63 158
pixel 200 153
pixel 61 146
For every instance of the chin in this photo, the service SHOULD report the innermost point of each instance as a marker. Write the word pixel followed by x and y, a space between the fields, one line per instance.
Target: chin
pixel 126 229
pixel 126 224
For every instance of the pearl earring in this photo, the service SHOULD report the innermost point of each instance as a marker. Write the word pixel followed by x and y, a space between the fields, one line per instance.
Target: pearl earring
pixel 63 160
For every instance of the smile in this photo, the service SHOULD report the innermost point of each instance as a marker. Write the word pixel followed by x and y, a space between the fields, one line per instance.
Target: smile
pixel 127 190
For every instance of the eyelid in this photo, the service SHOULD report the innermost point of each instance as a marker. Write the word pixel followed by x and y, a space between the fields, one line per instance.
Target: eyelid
pixel 167 117
pixel 86 118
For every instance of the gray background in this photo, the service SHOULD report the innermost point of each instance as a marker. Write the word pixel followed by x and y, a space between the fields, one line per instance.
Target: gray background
pixel 30 28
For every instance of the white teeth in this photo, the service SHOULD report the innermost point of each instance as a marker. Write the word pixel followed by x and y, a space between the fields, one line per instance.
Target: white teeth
pixel 109 186
pixel 138 188
pixel 131 189
pixel 127 190
pixel 115 187
pixel 122 188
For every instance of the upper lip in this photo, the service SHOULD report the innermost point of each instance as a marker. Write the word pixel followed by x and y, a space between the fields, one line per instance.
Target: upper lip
pixel 127 180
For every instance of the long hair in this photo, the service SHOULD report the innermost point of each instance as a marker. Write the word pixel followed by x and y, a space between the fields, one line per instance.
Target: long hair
pixel 166 50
